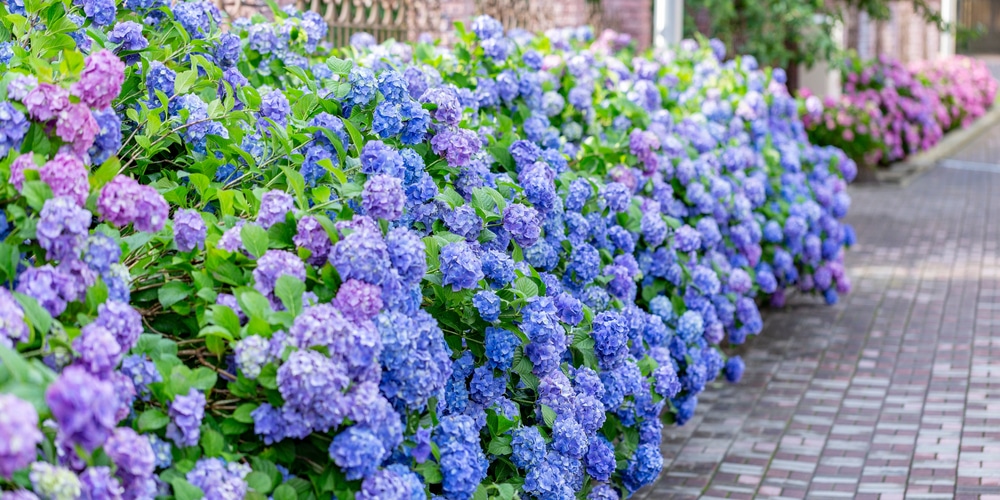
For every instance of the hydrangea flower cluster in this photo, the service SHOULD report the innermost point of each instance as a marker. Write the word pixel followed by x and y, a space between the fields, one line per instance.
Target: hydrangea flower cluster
pixel 390 268
pixel 889 111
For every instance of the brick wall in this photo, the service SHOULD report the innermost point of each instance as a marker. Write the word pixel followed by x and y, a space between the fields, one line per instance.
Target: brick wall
pixel 904 36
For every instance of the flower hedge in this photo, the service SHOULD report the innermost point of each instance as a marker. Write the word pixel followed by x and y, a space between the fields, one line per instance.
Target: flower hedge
pixel 888 111
pixel 239 263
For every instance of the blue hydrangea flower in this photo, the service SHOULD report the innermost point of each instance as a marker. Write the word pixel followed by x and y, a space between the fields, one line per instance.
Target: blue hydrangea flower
pixel 460 266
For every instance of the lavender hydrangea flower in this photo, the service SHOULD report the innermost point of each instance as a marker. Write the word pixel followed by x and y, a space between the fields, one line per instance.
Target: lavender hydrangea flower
pixel 62 228
pixel 383 197
pixel 12 325
pixel 186 412
pixel 97 482
pixel 523 223
pixel 133 456
pixel 358 300
pixel 406 252
pixel 189 230
pixel 380 158
pixel 457 145
pixel 79 404
pixel 197 17
pixel 219 480
pixel 143 372
pixel 20 434
pixel 274 106
pixel 98 351
pixel 49 286
pixel 273 265
pixel 312 236
pixel 13 127
pixel 274 205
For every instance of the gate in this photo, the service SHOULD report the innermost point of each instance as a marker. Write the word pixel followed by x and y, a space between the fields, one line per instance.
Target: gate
pixel 384 19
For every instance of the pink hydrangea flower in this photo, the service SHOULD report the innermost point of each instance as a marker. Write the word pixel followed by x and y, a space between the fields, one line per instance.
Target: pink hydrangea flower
pixel 101 79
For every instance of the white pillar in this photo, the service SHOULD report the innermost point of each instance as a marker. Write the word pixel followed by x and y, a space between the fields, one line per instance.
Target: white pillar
pixel 949 13
pixel 668 22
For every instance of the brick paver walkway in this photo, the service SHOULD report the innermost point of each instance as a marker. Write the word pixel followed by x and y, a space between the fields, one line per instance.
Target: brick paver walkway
pixel 893 392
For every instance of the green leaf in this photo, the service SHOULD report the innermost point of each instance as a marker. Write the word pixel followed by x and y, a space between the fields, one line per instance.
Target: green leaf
pixel 109 169
pixel 527 286
pixel 38 318
pixel 500 445
pixel 212 442
pixel 430 471
pixel 255 239
pixel 285 492
pixel 242 413
pixel 339 66
pixel 36 193
pixel 268 376
pixel 355 134
pixel 203 379
pixel 548 415
pixel 290 289
pixel 260 482
pixel 173 292
pixel 451 197
pixel 184 490
pixel 152 419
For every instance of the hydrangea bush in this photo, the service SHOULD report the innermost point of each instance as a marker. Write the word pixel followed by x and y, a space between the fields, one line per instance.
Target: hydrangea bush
pixel 239 263
pixel 888 111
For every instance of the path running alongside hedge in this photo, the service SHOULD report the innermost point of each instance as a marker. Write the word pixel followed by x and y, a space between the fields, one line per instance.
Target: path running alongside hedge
pixel 886 393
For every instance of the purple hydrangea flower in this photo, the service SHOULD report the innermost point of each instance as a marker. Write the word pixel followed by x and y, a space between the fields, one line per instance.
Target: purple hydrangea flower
pixel 186 412
pixel 98 350
pixel 358 300
pixel 66 176
pixel 97 482
pixel 79 404
pixel 19 434
pixel 457 145
pixel 101 79
pixel 523 222
pixel 274 205
pixel 62 228
pixel 383 197
pixel 133 456
pixel 273 265
pixel 123 201
pixel 219 480
pixel 189 230
pixel 13 127
pixel 312 236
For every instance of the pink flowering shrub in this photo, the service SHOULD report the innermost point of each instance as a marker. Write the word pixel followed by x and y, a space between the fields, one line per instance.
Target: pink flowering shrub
pixel 888 111
pixel 964 86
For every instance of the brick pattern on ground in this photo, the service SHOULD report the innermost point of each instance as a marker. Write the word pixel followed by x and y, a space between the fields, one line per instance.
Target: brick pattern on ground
pixel 894 392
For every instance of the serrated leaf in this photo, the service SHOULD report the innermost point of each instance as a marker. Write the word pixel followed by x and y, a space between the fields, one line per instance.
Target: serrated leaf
pixel 212 442
pixel 184 490
pixel 260 482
